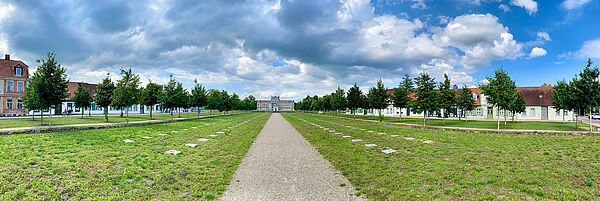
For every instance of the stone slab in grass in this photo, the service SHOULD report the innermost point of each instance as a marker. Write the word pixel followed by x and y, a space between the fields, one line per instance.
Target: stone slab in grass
pixel 389 151
pixel 357 140
pixel 370 145
pixel 226 129
pixel 185 129
pixel 202 140
pixel 127 141
pixel 381 133
pixel 174 131
pixel 370 131
pixel 146 137
pixel 331 131
pixel 194 127
pixel 338 133
pixel 220 132
pixel 162 134
pixel 409 138
pixel 346 136
pixel 191 145
pixel 394 135
pixel 362 129
pixel 325 128
pixel 213 135
pixel 174 152
pixel 427 141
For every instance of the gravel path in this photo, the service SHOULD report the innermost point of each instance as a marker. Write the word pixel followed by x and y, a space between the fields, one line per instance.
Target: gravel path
pixel 282 165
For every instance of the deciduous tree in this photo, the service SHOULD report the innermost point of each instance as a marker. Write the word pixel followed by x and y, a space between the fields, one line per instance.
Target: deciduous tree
pixel 427 98
pixel 378 98
pixel 104 95
pixel 151 95
pixel 82 98
pixel 127 92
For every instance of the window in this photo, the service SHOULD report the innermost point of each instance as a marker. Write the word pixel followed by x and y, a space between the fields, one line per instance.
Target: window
pixel 9 104
pixel 18 71
pixel 478 111
pixel 524 113
pixel 20 104
pixel 10 86
pixel 20 86
pixel 532 112
pixel 557 112
pixel 566 113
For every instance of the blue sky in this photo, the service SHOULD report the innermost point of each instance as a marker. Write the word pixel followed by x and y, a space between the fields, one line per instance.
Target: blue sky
pixel 298 48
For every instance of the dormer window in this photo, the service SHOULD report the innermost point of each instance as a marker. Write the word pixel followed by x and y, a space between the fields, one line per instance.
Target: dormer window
pixel 19 71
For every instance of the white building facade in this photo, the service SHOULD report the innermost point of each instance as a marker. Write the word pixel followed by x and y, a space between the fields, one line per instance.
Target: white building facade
pixel 275 105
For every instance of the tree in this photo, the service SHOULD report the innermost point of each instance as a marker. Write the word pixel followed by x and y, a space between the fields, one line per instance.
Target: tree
pixel 235 102
pixel 407 84
pixel 31 101
pixel 561 96
pixel 427 98
pixel 169 95
pixel 338 101
pixel 214 100
pixel 587 89
pixel 104 95
pixel 198 97
pixel 400 98
pixel 516 105
pixel 49 84
pixel 465 101
pixel 378 98
pixel 447 98
pixel 82 98
pixel 151 95
pixel 181 98
pixel 250 102
pixel 499 91
pixel 127 91
pixel 355 99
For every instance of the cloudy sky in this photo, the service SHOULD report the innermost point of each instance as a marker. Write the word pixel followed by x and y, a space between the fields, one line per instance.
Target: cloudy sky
pixel 294 48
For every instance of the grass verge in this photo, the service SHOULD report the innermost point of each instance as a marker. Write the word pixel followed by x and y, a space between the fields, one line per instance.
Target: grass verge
pixel 98 164
pixel 456 165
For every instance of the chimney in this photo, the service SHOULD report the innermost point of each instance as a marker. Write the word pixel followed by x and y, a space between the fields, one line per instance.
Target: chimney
pixel 6 56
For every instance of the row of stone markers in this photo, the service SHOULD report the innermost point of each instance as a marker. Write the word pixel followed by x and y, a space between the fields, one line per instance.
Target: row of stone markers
pixel 387 151
pixel 175 152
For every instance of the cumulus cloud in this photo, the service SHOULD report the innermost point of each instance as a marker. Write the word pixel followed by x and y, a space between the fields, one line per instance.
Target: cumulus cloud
pixel 318 45
pixel 529 5
pixel 504 7
pixel 537 52
pixel 590 48
pixel 574 4
pixel 543 36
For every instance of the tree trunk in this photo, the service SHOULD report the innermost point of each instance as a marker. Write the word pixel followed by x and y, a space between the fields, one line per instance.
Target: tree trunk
pixel 424 119
pixel 179 112
pixel 443 116
pixel 33 115
pixel 127 111
pixel 505 118
pixel 50 117
pixel 90 111
pixel 171 110
pixel 498 110
pixel 151 112
pixel 106 113
pixel 400 114
pixel 198 110
pixel 82 112
pixel 380 115
pixel 121 112
pixel 461 113
pixel 563 116
pixel 590 119
pixel 42 116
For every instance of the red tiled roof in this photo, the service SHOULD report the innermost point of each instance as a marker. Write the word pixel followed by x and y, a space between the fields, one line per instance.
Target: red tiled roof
pixel 531 95
pixel 74 85
pixel 7 68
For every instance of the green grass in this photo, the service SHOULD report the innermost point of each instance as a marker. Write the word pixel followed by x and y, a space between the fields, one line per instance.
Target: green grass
pixel 524 125
pixel 76 119
pixel 98 165
pixel 457 165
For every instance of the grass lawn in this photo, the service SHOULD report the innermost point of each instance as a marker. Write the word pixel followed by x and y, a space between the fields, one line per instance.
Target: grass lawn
pixel 99 165
pixel 457 165
pixel 66 120
pixel 525 125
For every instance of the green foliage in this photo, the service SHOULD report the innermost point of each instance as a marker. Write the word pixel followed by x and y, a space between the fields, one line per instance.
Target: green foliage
pixel 355 98
pixel 427 98
pixel 82 98
pixel 249 103
pixel 48 84
pixel 171 96
pixel 378 98
pixel 151 95
pixel 501 92
pixel 447 96
pixel 465 100
pixel 104 93
pixel 407 84
pixel 586 89
pixel 127 91
pixel 198 96
pixel 338 100
pixel 400 97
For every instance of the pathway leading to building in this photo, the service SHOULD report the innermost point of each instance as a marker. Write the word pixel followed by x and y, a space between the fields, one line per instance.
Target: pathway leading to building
pixel 282 165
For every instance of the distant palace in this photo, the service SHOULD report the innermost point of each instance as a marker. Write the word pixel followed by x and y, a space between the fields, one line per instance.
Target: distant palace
pixel 275 105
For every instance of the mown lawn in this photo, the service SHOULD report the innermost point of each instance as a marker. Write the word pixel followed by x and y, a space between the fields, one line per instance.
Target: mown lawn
pixel 75 119
pixel 99 165
pixel 457 165
pixel 525 125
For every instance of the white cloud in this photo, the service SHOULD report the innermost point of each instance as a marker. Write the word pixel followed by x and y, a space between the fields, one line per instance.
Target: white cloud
pixel 543 36
pixel 504 7
pixel 419 4
pixel 590 48
pixel 529 5
pixel 537 52
pixel 574 4
pixel 6 10
pixel 481 38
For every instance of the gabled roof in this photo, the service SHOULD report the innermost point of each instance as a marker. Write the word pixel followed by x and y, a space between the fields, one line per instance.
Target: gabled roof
pixel 7 68
pixel 74 85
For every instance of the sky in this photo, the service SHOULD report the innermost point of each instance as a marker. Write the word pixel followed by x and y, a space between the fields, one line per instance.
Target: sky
pixel 294 48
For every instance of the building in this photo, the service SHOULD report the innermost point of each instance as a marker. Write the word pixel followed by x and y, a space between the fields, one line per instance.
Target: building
pixel 538 106
pixel 14 75
pixel 275 105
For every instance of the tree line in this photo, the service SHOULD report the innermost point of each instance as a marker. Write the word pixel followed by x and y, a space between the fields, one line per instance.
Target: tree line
pixel 422 95
pixel 48 87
